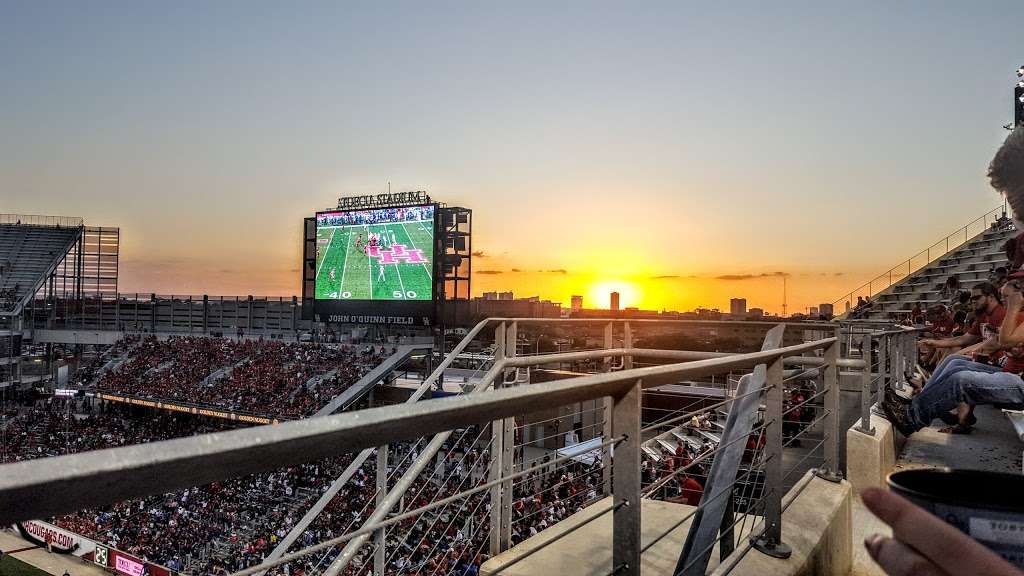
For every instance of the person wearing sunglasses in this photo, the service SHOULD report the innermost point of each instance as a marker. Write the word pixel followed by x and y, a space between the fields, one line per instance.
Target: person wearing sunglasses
pixel 981 337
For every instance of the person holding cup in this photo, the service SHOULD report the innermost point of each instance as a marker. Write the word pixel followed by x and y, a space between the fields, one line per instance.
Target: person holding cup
pixel 923 545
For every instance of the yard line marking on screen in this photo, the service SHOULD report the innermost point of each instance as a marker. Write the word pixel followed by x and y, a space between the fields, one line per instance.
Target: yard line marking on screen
pixel 344 266
pixel 400 283
pixel 424 264
pixel 369 261
pixel 324 259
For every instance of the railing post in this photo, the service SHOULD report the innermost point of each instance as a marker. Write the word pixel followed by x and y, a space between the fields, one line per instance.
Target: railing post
pixel 606 452
pixel 627 343
pixel 770 541
pixel 497 437
pixel 865 391
pixel 497 449
pixel 830 425
pixel 508 446
pixel 626 492
pixel 885 362
pixel 379 536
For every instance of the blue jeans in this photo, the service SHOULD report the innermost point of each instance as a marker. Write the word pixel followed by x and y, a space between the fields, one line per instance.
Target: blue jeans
pixel 971 386
pixel 955 363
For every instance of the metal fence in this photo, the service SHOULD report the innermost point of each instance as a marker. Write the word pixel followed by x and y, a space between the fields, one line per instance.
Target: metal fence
pixel 39 220
pixel 952 241
pixel 473 453
pixel 890 355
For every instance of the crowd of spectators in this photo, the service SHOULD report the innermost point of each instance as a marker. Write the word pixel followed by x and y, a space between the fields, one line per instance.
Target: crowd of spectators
pixel 264 377
pixel 973 353
pixel 246 516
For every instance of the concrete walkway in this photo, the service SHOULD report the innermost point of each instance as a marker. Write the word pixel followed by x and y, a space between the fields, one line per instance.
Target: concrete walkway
pixel 992 446
pixel 55 564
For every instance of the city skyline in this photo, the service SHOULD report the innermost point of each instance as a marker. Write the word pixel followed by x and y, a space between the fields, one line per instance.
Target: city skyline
pixel 675 154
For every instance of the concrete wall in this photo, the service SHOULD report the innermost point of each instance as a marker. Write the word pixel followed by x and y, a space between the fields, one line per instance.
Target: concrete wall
pixel 816 525
pixel 870 457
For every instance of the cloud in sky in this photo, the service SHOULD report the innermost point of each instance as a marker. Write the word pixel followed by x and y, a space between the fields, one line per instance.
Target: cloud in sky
pixel 752 276
pixel 516 270
pixel 491 271
pixel 557 271
pixel 667 277
pixel 479 254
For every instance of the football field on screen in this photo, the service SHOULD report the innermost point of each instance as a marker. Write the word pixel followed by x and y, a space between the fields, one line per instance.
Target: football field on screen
pixel 401 271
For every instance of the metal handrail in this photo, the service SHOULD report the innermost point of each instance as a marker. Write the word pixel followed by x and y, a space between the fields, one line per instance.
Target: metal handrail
pixel 64 484
pixel 705 364
pixel 41 220
pixel 927 251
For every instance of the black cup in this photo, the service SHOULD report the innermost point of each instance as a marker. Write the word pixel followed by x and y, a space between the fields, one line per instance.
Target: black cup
pixel 987 506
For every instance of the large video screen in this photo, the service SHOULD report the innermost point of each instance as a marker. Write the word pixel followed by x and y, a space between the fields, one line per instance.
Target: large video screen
pixel 383 254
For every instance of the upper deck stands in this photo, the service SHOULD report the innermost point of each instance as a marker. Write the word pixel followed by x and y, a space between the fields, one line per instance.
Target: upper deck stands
pixel 28 254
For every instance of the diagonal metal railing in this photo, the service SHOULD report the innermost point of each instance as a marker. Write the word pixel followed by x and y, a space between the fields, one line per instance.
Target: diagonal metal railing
pixel 46 487
pixel 63 484
pixel 937 250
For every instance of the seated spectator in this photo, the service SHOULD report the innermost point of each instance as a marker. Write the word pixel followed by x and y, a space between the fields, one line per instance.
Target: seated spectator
pixel 960 384
pixel 917 315
pixel 942 325
pixel 951 288
pixel 989 314
pixel 997 276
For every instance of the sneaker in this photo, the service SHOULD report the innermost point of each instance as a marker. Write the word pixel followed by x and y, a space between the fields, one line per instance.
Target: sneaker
pixel 898 414
pixel 895 398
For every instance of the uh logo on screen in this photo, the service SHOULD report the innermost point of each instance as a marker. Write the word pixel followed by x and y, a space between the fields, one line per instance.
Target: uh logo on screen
pixel 396 253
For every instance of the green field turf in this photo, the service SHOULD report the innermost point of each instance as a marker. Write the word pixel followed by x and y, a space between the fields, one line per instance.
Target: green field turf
pixel 358 276
pixel 13 567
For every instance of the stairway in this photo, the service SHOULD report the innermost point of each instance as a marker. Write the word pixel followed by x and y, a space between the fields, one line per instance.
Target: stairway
pixel 970 262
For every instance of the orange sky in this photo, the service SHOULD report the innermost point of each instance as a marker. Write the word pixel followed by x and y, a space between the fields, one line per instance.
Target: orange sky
pixel 259 276
pixel 616 144
pixel 671 292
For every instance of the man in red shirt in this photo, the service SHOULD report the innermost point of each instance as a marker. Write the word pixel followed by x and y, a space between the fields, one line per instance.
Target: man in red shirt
pixel 680 453
pixel 691 492
pixel 980 338
pixel 988 315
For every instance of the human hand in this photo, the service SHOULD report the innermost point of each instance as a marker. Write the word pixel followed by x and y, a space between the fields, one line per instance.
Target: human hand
pixel 1012 295
pixel 923 544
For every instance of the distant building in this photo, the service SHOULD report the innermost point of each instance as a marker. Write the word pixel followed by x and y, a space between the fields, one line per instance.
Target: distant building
pixel 756 313
pixel 505 296
pixel 738 306
pixel 812 311
pixel 615 301
pixel 826 310
pixel 468 313
pixel 490 296
pixel 576 303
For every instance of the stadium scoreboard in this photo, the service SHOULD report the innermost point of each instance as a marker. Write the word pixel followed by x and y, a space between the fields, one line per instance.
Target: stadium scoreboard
pixel 373 265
